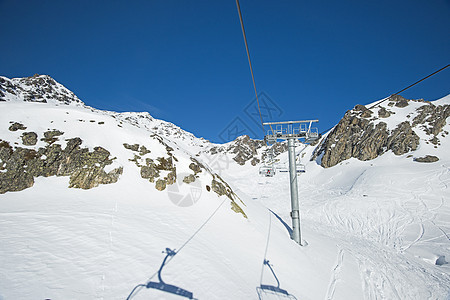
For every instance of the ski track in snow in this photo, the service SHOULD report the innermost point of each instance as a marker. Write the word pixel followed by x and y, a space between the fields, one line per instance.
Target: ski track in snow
pixel 380 234
pixel 335 275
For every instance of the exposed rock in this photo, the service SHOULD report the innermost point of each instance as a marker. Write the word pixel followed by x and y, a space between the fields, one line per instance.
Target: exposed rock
pixel 245 149
pixel 149 172
pixel 218 188
pixel 37 88
pixel 365 112
pixel 384 113
pixel 403 139
pixel 359 138
pixel 86 169
pixel 16 126
pixel 29 138
pixel 87 178
pixel 433 118
pixel 160 185
pixel 164 163
pixel 435 141
pixel 402 103
pixel 277 149
pixel 196 166
pixel 134 147
pixel 221 188
pixel 398 101
pixel 143 150
pixel 189 179
pixel 171 178
pixel 255 161
pixel 51 136
pixel 427 159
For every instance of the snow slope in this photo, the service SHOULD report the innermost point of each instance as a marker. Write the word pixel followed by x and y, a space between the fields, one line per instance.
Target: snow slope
pixel 375 229
pixel 389 216
pixel 61 243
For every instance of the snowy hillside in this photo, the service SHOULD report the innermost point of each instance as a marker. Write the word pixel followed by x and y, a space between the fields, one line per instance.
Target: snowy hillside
pixel 90 200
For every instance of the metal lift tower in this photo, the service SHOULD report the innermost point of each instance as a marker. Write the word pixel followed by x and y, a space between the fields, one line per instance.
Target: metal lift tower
pixel 291 131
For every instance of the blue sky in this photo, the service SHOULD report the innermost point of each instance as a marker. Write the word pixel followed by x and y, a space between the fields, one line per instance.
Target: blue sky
pixel 185 61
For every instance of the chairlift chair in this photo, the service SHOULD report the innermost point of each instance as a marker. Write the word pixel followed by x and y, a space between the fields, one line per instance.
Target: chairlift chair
pixel 281 167
pixel 267 171
pixel 301 168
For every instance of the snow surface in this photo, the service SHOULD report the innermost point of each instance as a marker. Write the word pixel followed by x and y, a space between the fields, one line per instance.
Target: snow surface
pixel 374 229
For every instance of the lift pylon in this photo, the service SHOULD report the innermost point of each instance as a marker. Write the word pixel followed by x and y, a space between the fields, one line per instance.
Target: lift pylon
pixel 292 131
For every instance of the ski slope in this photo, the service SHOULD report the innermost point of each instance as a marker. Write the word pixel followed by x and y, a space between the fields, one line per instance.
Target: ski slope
pixel 387 219
pixel 377 229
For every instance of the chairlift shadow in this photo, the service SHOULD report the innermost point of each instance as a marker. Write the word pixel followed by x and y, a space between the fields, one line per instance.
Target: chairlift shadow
pixel 288 228
pixel 168 288
pixel 266 291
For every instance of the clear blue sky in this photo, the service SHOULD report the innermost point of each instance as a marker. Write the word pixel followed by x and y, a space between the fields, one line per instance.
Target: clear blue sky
pixel 185 61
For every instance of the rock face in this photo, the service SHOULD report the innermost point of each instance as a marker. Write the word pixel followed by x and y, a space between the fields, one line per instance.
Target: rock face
pixel 151 169
pixel 245 149
pixel 361 135
pixel 221 188
pixel 20 166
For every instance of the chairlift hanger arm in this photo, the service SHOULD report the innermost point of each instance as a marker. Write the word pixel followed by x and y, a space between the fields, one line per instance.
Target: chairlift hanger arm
pixel 290 122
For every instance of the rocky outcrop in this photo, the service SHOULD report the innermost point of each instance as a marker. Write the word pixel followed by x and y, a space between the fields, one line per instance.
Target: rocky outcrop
pixel 29 138
pixel 189 178
pixel 20 166
pixel 402 139
pixel 245 149
pixel 16 126
pixel 398 101
pixel 432 119
pixel 427 159
pixel 356 136
pixel 362 138
pixel 151 169
pixel 221 188
pixel 384 113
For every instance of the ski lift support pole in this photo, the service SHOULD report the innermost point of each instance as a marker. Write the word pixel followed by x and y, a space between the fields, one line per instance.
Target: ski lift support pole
pixel 291 134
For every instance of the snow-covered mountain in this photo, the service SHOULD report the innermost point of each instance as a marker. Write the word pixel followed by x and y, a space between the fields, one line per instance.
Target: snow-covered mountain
pixel 90 199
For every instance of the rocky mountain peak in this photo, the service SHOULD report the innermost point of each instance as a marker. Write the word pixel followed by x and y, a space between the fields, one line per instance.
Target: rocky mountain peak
pixel 36 88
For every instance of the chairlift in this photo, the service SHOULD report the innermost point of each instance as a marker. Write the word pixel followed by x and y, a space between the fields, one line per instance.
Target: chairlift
pixel 300 168
pixel 281 167
pixel 265 289
pixel 267 171
pixel 168 288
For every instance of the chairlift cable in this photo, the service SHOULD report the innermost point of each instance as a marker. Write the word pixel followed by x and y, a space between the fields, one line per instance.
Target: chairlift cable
pixel 138 287
pixel 250 63
pixel 441 69
pixel 387 98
